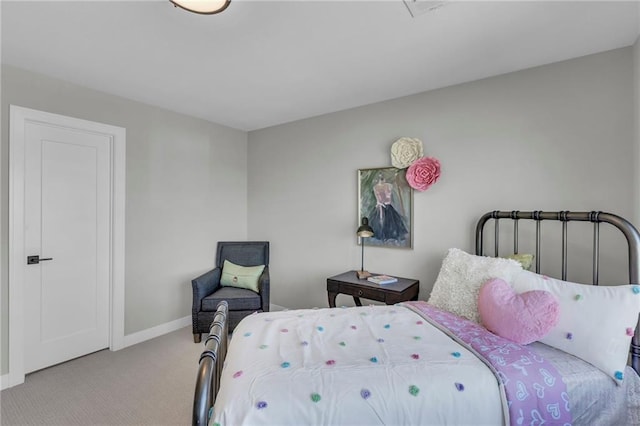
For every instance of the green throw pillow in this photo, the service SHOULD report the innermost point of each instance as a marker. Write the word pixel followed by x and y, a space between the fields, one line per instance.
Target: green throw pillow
pixel 524 259
pixel 241 276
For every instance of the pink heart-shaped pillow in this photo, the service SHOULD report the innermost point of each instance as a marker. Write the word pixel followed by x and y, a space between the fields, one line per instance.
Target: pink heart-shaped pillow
pixel 522 318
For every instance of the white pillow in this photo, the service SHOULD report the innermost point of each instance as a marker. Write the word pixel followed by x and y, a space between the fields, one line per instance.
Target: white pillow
pixel 596 322
pixel 460 278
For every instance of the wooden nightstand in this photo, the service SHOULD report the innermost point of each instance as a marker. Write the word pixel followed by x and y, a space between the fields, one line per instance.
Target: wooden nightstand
pixel 348 283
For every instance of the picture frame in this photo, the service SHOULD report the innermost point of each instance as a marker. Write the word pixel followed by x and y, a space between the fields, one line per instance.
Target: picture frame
pixel 386 200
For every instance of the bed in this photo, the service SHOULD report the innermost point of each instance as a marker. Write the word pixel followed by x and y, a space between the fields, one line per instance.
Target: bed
pixel 435 362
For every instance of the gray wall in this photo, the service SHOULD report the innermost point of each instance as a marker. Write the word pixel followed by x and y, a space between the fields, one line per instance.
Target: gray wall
pixel 186 189
pixel 636 118
pixel 559 136
pixel 553 137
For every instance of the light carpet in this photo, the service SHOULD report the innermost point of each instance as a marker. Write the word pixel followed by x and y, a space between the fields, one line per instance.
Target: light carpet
pixel 151 383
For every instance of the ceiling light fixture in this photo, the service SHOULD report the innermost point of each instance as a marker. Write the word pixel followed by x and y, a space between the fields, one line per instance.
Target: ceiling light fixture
pixel 204 7
pixel 419 7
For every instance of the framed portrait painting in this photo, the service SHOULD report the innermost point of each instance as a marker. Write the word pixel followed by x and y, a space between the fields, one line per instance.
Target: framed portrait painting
pixel 386 200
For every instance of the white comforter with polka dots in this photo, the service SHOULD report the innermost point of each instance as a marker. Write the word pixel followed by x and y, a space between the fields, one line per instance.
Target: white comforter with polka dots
pixel 352 366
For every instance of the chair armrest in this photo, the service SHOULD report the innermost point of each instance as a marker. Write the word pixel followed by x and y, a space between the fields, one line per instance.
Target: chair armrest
pixel 264 288
pixel 204 285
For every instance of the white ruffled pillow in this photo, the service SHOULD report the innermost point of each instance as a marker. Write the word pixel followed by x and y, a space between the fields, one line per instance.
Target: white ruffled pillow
pixel 596 323
pixel 460 278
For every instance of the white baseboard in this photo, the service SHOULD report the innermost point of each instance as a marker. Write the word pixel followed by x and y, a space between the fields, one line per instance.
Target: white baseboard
pixel 4 382
pixel 159 330
pixel 273 307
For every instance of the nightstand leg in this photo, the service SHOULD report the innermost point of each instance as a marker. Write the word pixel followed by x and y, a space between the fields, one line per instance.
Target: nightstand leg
pixel 357 300
pixel 332 299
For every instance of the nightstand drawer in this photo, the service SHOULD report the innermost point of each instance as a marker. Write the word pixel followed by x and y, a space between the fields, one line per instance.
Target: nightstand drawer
pixel 361 291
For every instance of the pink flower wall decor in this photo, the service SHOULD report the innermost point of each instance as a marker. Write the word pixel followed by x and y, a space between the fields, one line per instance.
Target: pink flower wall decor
pixel 423 173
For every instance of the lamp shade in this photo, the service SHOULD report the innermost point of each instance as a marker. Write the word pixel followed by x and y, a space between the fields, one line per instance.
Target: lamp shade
pixel 364 230
pixel 205 7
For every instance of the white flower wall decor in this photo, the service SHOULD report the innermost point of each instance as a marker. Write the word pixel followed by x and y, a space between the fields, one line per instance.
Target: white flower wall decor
pixel 405 151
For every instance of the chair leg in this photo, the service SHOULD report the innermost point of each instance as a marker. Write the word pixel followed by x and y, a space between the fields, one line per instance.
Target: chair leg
pixel 197 337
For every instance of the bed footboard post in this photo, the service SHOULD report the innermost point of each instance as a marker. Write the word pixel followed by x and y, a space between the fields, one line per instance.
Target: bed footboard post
pixel 210 367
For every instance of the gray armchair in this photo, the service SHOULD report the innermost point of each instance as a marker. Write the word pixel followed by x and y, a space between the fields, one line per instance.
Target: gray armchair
pixel 207 291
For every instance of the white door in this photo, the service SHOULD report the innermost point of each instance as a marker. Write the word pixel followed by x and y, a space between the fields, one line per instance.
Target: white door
pixel 66 218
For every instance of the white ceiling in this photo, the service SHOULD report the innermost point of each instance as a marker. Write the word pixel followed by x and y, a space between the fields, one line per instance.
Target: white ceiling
pixel 262 63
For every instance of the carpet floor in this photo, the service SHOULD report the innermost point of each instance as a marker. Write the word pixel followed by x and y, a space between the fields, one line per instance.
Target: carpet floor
pixel 151 383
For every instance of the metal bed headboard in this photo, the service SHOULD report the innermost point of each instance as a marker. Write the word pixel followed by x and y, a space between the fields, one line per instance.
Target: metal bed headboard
pixel 629 231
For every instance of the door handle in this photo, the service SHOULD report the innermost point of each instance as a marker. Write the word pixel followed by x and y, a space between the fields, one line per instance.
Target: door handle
pixel 34 260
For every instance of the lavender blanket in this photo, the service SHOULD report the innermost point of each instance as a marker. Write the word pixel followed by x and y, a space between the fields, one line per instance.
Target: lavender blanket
pixel 532 388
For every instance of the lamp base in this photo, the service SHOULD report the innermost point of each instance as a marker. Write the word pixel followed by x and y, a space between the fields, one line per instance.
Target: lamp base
pixel 363 275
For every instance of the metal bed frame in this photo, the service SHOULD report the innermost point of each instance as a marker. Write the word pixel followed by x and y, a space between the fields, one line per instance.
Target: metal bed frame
pixel 210 369
pixel 212 358
pixel 596 217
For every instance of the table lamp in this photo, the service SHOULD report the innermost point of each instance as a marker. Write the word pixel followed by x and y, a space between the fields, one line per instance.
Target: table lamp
pixel 364 231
